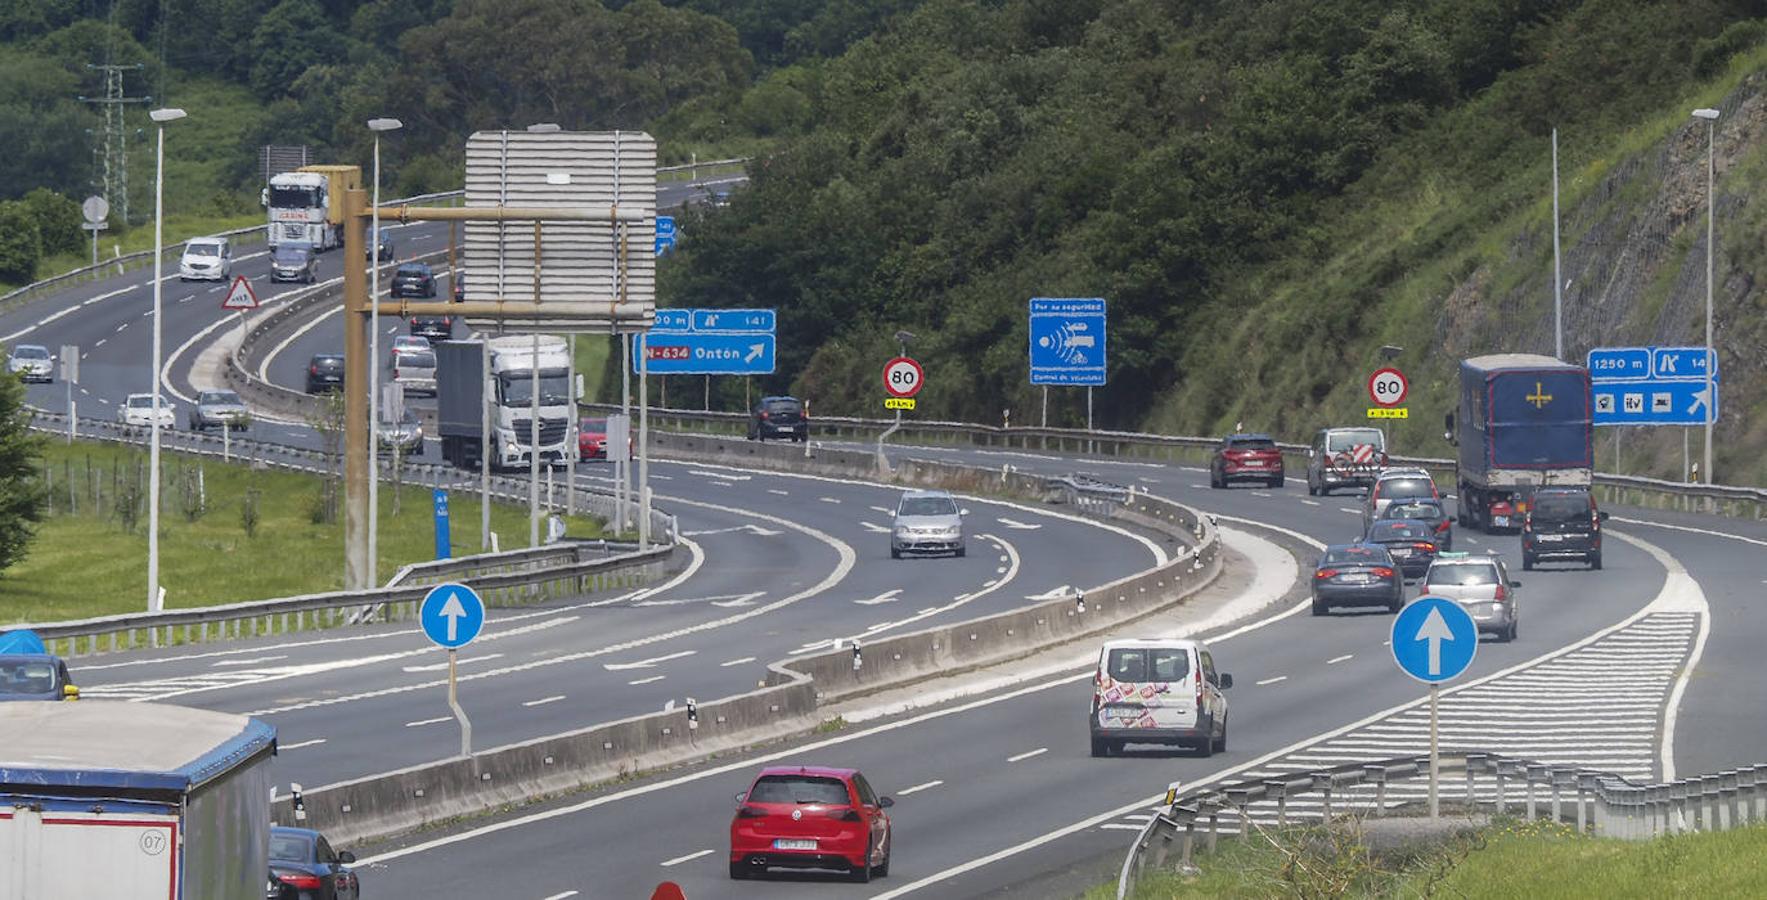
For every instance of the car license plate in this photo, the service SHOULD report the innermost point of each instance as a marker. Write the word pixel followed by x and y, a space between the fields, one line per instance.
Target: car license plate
pixel 1358 578
pixel 1551 537
pixel 1399 552
pixel 794 844
pixel 1500 521
pixel 1254 462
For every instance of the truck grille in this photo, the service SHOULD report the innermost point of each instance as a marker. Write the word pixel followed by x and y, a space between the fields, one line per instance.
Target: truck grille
pixel 294 231
pixel 552 431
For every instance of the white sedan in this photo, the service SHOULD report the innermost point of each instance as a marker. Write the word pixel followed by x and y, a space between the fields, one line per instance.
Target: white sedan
pixel 138 411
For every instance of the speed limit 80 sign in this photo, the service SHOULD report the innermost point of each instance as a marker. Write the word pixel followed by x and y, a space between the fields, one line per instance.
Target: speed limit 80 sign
pixel 1388 387
pixel 902 377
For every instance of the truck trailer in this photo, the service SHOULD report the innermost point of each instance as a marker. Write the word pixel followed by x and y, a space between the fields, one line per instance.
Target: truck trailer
pixel 1524 422
pixel 133 801
pixel 461 380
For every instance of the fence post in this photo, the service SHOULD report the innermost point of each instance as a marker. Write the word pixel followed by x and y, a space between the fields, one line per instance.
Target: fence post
pixel 1585 786
pixel 1280 789
pixel 1378 775
pixel 1534 772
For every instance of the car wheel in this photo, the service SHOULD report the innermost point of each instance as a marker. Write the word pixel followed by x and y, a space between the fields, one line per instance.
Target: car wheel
pixel 961 551
pixel 1221 742
pixel 1311 490
pixel 1276 482
pixel 895 554
pixel 1595 561
pixel 862 873
pixel 738 870
pixel 1215 480
pixel 1319 608
pixel 1100 748
pixel 1515 627
pixel 883 868
pixel 1206 748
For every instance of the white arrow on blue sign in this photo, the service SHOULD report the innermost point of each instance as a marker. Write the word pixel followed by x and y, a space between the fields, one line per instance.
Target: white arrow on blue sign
pixel 1434 639
pixel 452 615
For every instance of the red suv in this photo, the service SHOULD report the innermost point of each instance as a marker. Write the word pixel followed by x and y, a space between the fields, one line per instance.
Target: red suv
pixel 1246 457
pixel 810 817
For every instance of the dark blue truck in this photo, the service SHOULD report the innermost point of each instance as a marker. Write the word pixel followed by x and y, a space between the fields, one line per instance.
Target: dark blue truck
pixel 1525 421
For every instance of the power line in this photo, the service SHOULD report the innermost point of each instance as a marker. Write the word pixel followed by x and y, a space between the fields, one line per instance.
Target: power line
pixel 114 142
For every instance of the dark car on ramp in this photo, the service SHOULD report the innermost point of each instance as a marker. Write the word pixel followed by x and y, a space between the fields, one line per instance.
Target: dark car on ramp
pixel 1357 575
pixel 304 867
pixel 413 279
pixel 779 417
pixel 1410 542
pixel 325 372
pixel 1562 524
pixel 1429 510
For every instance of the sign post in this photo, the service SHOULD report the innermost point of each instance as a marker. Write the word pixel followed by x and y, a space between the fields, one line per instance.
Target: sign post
pixel 452 615
pixel 96 211
pixel 70 376
pixel 1434 639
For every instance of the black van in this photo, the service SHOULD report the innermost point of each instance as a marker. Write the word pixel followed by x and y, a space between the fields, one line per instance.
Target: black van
pixel 1562 523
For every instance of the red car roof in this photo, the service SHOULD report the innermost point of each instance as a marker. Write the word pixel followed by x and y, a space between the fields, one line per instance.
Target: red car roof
pixel 824 771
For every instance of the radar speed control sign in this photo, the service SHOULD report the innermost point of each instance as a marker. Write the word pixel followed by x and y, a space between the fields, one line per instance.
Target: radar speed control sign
pixel 1388 387
pixel 902 377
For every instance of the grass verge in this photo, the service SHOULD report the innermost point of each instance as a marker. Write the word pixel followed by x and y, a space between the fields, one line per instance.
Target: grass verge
pixel 1513 859
pixel 89 557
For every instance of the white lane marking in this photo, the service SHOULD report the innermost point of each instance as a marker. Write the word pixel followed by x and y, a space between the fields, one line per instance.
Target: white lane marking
pixel 1271 680
pixel 882 510
pixel 543 700
pixel 101 297
pixel 264 367
pixel 988 587
pixel 918 788
pixel 647 663
pixel 121 327
pixel 1260 493
pixel 312 743
pixel 1121 826
pixel 681 859
pixel 1350 510
pixel 647 680
pixel 753 529
pixel 728 477
pixel 1310 502
pixel 1689 528
pixel 101 342
pixel 435 721
pixel 1015 524
pixel 773 491
pixel 1672 599
pixel 656 477
pixel 443 667
pixel 875 529
pixel 885 597
pixel 248 662
pixel 1685 596
pixel 829 499
pixel 736 662
pixel 1338 659
pixel 1027 755
pixel 562 896
pixel 725 600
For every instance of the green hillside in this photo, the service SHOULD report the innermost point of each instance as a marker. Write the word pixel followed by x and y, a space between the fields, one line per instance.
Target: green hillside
pixel 1265 192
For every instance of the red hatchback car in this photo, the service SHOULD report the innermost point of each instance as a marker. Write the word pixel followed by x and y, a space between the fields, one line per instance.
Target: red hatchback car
pixel 1246 457
pixel 592 439
pixel 810 817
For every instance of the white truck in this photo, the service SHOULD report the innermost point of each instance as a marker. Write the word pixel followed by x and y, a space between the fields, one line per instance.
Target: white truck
pixel 306 206
pixel 460 393
pixel 132 801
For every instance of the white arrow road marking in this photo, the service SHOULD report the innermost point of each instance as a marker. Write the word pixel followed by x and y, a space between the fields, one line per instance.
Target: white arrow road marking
pixel 988 587
pixel 739 600
pixel 1435 630
pixel 918 788
pixel 1021 526
pixel 646 663
pixel 885 597
pixel 443 667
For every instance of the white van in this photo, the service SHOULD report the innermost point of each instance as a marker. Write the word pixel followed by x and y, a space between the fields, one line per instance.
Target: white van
pixel 206 259
pixel 1158 692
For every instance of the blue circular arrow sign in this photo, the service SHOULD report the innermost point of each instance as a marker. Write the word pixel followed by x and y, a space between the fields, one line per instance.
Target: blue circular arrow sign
pixel 1434 639
pixel 452 615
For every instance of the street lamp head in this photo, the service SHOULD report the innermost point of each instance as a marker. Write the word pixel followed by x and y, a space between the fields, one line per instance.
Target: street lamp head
pixel 168 114
pixel 1389 351
pixel 1705 114
pixel 385 124
pixel 903 337
pixel 544 128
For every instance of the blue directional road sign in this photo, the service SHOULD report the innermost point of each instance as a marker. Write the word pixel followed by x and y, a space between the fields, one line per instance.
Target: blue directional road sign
pixel 444 546
pixel 1653 386
pixel 452 615
pixel 1434 639
pixel 665 234
pixel 1067 341
pixel 708 342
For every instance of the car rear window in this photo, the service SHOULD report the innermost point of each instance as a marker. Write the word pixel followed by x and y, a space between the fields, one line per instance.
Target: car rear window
pixel 1392 531
pixel 30 677
pixel 1251 444
pixel 595 425
pixel 1144 664
pixel 1407 487
pixel 778 406
pixel 928 506
pixel 417 359
pixel 1462 575
pixel 1560 507
pixel 1427 511
pixel 1358 555
pixel 1337 441
pixel 291 848
pixel 799 789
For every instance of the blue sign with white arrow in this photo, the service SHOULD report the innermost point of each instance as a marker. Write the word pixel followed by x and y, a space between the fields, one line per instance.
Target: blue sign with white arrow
pixel 1653 386
pixel 1434 639
pixel 708 342
pixel 1067 341
pixel 452 615
pixel 665 234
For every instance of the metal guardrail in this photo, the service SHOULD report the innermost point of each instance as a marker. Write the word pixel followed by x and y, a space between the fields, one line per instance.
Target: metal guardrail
pixel 1733 500
pixel 508 578
pixel 1600 803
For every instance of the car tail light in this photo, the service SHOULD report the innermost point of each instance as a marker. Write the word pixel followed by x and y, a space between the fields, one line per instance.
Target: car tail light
pixel 447 321
pixel 1325 573
pixel 413 321
pixel 764 415
pixel 1502 592
pixel 1383 572
pixel 300 880
pixel 750 812
pixel 845 815
pixel 1425 546
pixel 313 370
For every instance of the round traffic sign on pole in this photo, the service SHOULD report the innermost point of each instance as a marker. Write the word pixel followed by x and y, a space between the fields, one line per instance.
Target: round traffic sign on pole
pixel 902 377
pixel 451 615
pixel 1434 639
pixel 1388 387
pixel 96 209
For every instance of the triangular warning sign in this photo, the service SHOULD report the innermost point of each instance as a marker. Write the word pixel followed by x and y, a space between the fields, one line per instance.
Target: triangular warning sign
pixel 240 295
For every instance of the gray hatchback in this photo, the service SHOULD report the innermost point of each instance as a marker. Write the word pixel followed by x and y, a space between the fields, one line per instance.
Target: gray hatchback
pixel 927 522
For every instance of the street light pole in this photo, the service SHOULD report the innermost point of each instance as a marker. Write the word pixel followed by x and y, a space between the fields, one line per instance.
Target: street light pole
pixel 377 126
pixel 1711 117
pixel 162 117
pixel 1558 315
